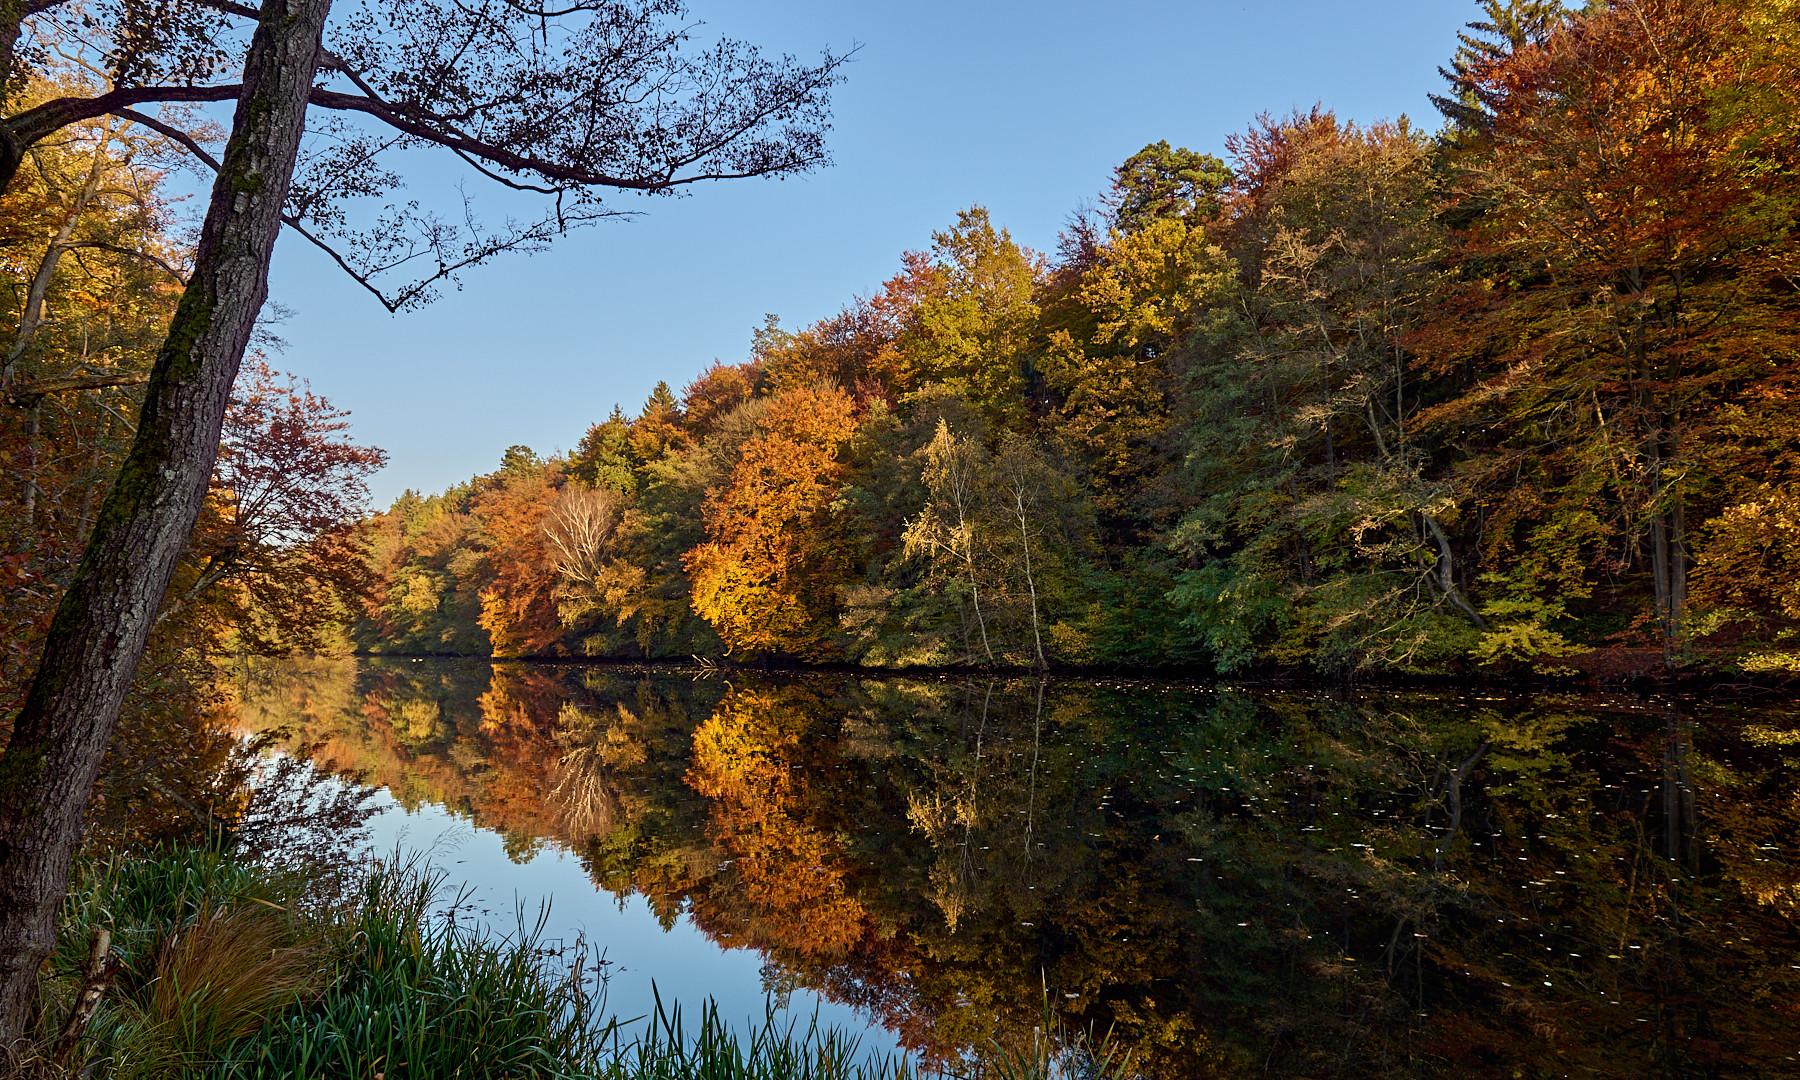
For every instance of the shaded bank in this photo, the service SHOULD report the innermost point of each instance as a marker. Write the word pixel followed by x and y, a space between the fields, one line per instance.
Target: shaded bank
pixel 1631 671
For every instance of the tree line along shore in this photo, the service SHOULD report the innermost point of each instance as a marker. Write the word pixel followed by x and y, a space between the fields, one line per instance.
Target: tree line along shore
pixel 1512 397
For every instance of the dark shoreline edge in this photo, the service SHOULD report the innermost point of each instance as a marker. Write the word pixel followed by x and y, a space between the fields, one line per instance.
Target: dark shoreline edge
pixel 1650 682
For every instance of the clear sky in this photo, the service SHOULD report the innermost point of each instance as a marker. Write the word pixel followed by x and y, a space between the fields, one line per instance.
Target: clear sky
pixel 1022 107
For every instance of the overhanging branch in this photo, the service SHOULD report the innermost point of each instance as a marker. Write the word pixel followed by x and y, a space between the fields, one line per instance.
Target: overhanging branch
pixel 393 304
pixel 34 124
pixel 27 128
pixel 230 8
pixel 52 116
pixel 170 132
pixel 193 147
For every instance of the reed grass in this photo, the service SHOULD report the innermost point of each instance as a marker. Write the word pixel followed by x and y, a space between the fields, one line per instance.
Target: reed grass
pixel 232 970
pixel 772 1051
pixel 1056 1053
pixel 216 979
pixel 208 947
pixel 419 995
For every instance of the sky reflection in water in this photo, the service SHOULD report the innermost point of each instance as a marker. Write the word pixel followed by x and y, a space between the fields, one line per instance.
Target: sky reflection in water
pixel 641 957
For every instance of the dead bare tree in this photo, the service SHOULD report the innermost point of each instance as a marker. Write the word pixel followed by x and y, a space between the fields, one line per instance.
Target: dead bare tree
pixel 579 530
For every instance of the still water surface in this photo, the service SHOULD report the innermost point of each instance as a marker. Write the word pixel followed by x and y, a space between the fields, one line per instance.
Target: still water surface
pixel 1231 881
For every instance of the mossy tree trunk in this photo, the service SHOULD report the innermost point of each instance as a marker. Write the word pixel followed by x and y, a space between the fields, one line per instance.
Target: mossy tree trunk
pixel 98 635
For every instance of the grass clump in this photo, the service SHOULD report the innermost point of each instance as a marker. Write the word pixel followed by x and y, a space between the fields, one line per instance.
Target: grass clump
pixel 771 1052
pixel 203 947
pixel 227 969
pixel 1052 1051
pixel 418 995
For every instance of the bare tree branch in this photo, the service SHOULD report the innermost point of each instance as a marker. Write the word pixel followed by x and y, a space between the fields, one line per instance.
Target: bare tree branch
pixel 170 132
pixel 392 304
pixel 29 394
pixel 154 260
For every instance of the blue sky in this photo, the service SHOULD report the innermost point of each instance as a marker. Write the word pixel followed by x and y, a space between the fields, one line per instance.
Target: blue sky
pixel 1022 107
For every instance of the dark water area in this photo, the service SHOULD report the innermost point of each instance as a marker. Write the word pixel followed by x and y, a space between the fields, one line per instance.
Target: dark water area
pixel 1231 881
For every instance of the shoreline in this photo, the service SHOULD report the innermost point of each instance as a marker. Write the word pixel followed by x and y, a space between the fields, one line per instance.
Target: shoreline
pixel 1600 671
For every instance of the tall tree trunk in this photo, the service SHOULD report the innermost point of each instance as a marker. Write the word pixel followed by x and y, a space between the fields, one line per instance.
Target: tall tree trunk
pixel 959 485
pixel 1325 400
pixel 1037 637
pixel 100 628
pixel 1668 541
pixel 1668 566
pixel 968 535
pixel 1678 795
pixel 30 486
pixel 1659 582
pixel 91 481
pixel 1678 573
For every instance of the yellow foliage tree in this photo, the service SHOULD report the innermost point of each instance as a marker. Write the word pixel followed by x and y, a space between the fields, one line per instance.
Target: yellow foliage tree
pixel 767 576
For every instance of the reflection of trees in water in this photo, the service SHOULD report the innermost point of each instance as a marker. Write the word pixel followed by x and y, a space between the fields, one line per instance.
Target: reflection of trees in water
pixel 1378 885
pixel 765 762
pixel 584 799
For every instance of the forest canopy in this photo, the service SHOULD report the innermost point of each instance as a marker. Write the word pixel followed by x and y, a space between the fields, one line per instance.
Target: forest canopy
pixel 1517 394
pixel 1512 395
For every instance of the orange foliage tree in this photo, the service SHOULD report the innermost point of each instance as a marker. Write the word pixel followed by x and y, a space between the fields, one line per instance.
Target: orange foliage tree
pixel 519 606
pixel 767 575
pixel 791 872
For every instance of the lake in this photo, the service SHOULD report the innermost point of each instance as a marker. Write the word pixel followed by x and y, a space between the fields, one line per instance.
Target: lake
pixel 1229 880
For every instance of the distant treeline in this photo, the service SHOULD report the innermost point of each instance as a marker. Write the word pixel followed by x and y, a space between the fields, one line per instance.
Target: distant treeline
pixel 1361 397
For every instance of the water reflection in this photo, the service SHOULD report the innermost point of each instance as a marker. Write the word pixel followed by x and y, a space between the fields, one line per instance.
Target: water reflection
pixel 1378 884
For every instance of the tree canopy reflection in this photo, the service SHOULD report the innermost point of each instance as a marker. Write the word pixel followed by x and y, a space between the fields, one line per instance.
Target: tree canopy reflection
pixel 1230 881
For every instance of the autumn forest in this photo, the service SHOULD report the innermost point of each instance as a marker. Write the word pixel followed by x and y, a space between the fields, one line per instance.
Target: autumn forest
pixel 1511 396
pixel 1366 417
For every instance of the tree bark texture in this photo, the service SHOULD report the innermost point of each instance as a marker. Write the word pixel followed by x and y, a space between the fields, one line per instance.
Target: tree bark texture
pixel 12 148
pixel 100 628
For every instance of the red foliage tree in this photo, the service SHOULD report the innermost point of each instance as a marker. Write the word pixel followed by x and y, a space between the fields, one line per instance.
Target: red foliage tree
pixel 1619 249
pixel 519 607
pixel 281 522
